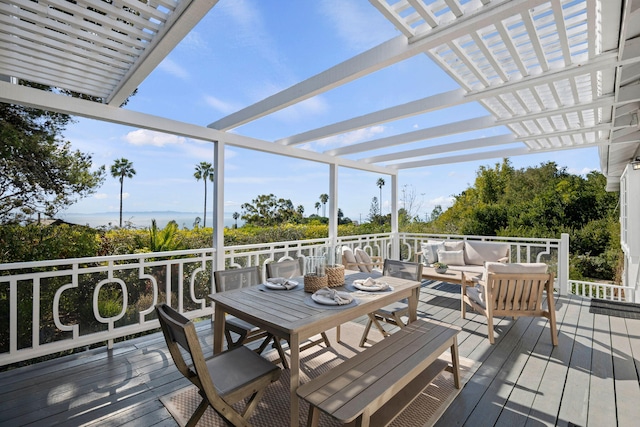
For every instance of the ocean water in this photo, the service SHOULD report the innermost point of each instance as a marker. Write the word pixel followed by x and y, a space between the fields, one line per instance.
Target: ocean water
pixel 143 219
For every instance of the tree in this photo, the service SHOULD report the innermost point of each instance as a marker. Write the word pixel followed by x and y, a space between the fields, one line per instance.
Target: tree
pixel 203 172
pixel 409 202
pixel 167 239
pixel 121 169
pixel 236 215
pixel 380 184
pixel 373 210
pixel 267 210
pixel 318 205
pixel 39 173
pixel 324 198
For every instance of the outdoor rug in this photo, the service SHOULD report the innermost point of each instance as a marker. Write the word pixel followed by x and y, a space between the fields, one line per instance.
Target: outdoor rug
pixel 273 409
pixel 615 308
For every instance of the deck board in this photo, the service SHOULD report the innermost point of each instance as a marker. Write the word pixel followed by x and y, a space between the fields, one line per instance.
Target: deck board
pixel 590 379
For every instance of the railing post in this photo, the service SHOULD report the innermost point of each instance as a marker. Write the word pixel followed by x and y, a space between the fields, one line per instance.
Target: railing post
pixel 563 264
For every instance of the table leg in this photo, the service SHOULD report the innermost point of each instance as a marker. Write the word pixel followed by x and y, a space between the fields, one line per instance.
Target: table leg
pixel 218 330
pixel 455 360
pixel 413 305
pixel 294 382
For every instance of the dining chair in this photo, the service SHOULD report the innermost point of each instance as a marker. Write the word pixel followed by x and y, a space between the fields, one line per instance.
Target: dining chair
pixel 393 313
pixel 511 290
pixel 236 278
pixel 294 268
pixel 286 268
pixel 222 380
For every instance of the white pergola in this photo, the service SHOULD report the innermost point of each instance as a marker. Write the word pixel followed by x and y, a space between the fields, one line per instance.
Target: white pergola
pixel 558 74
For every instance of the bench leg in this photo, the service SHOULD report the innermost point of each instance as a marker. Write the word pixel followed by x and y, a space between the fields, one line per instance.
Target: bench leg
pixel 455 361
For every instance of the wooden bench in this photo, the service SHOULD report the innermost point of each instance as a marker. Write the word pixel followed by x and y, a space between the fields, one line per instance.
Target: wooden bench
pixel 374 386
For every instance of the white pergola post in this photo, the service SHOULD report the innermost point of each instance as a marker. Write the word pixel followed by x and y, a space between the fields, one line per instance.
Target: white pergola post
pixel 333 210
pixel 395 238
pixel 218 205
pixel 563 264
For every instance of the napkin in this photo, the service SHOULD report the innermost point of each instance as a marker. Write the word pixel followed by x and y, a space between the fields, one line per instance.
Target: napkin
pixel 340 298
pixel 285 283
pixel 378 285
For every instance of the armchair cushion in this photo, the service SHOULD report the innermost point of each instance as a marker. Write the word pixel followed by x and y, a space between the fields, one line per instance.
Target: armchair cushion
pixel 477 292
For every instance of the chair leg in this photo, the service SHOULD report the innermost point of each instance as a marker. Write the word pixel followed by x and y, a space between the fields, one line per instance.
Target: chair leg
pixel 367 328
pixel 202 407
pixel 338 333
pixel 325 339
pixel 490 331
pixel 278 345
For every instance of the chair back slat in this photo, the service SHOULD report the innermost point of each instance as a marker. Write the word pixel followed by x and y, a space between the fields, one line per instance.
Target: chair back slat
pixel 518 292
pixel 402 269
pixel 288 268
pixel 236 278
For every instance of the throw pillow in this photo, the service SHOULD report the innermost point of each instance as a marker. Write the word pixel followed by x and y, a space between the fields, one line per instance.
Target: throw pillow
pixel 430 251
pixel 363 257
pixel 348 256
pixel 451 257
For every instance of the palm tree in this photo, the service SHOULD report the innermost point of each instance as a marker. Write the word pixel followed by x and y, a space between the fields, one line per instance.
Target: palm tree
pixel 324 198
pixel 121 169
pixel 203 172
pixel 236 215
pixel 317 206
pixel 380 184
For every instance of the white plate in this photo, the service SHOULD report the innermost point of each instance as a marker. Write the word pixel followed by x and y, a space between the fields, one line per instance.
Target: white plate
pixel 280 287
pixel 321 299
pixel 377 287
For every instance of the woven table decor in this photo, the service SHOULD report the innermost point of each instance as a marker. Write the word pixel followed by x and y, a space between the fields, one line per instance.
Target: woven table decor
pixel 313 282
pixel 335 275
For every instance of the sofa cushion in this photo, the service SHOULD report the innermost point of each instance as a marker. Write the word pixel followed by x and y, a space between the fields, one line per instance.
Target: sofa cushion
pixel 364 258
pixel 475 269
pixel 454 245
pixel 451 257
pixel 478 252
pixel 430 250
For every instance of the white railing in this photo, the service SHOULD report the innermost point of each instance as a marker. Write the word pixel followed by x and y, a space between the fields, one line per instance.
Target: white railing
pixel 52 306
pixel 602 290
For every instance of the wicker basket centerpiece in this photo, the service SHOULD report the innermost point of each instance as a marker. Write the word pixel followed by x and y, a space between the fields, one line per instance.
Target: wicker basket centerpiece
pixel 335 275
pixel 313 282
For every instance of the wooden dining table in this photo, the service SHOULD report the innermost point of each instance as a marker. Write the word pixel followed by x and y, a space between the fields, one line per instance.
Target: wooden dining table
pixel 285 314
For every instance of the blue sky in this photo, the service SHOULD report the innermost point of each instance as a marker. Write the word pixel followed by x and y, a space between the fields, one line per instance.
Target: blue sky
pixel 246 50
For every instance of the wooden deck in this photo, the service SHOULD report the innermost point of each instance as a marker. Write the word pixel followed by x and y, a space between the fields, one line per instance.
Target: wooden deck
pixel 590 379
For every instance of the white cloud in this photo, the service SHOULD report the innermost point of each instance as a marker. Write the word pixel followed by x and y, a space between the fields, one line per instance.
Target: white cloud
pixel 220 105
pixel 174 69
pixel 582 172
pixel 149 137
pixel 125 196
pixel 353 23
pixel 354 137
pixel 297 112
pixel 100 196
